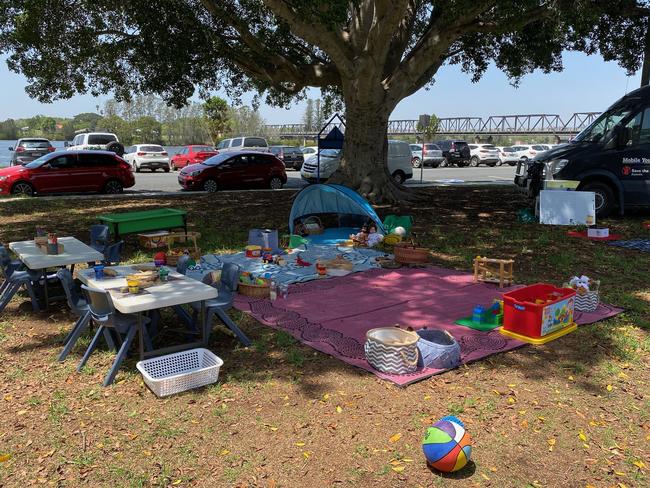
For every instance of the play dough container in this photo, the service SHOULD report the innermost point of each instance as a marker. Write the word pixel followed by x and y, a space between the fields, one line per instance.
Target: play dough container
pixel 537 311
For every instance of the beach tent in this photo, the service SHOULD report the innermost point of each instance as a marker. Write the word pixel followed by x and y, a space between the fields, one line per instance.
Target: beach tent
pixel 332 199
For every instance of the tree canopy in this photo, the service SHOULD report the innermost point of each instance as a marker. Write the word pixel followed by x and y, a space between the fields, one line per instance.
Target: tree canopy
pixel 366 54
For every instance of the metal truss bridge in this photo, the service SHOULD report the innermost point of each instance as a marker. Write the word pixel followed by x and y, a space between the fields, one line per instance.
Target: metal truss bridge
pixel 495 125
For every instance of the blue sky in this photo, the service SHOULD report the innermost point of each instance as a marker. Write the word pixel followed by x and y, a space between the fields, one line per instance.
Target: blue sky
pixel 586 84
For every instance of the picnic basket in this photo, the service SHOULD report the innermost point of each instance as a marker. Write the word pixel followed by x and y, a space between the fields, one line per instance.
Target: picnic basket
pixel 312 225
pixel 410 253
pixel 173 253
pixel 255 291
pixel 392 350
pixel 181 371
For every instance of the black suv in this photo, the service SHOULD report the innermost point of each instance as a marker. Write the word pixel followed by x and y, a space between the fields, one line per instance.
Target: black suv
pixel 454 152
pixel 292 156
pixel 611 158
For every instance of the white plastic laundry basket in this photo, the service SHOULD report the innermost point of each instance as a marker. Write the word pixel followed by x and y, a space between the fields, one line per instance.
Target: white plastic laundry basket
pixel 173 373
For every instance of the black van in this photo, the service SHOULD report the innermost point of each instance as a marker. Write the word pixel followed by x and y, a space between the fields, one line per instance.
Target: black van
pixel 611 157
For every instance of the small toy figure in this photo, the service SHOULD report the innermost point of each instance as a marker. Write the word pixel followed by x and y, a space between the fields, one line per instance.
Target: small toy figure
pixel 361 239
pixel 321 269
pixel 301 262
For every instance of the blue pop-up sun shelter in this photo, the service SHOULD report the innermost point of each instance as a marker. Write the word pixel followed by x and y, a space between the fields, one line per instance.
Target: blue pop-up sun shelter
pixel 321 199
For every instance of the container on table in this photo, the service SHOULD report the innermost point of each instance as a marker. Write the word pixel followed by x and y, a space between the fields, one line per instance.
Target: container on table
pixel 99 271
pixel 134 285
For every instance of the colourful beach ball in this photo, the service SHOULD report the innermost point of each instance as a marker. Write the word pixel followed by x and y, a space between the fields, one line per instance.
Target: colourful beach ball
pixel 446 445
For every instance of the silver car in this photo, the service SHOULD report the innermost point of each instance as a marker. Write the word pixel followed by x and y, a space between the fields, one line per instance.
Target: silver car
pixel 29 149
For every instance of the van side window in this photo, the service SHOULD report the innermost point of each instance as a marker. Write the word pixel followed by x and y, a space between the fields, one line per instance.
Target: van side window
pixel 644 132
pixel 634 125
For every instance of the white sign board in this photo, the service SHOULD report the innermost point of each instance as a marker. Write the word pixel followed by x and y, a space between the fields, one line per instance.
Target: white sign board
pixel 567 207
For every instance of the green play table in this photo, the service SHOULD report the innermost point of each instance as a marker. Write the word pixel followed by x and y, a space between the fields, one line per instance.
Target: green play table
pixel 146 220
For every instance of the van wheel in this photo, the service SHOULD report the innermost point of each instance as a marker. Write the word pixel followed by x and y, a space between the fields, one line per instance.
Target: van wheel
pixel 604 197
pixel 22 189
pixel 398 176
pixel 473 162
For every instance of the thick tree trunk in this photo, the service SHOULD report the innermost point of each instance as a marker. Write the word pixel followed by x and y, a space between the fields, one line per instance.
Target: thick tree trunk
pixel 645 68
pixel 363 164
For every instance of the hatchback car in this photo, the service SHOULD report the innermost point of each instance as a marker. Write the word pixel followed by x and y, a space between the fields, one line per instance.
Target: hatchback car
pixel 29 149
pixel 486 154
pixel 240 169
pixel 291 155
pixel 508 155
pixel 147 156
pixel 68 172
pixel 192 155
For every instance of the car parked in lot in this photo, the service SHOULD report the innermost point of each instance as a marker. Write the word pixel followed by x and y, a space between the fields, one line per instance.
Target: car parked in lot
pixel 454 152
pixel 309 150
pixel 416 155
pixel 399 163
pixel 239 169
pixel 192 155
pixel 529 151
pixel 243 143
pixel 430 153
pixel 486 154
pixel 28 149
pixel 508 155
pixel 99 141
pixel 292 156
pixel 68 172
pixel 147 156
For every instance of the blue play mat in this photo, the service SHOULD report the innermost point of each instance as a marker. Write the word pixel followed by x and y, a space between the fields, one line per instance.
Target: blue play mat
pixel 333 236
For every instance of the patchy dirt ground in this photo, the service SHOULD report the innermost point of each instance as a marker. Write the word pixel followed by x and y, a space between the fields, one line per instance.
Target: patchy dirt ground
pixel 573 413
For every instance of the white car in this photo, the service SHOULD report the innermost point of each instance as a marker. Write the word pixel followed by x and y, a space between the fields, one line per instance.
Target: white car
pixel 309 150
pixel 529 151
pixel 147 156
pixel 399 163
pixel 508 155
pixel 102 141
pixel 243 143
pixel 486 154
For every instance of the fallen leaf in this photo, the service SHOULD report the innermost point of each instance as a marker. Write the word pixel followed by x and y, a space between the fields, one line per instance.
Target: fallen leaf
pixel 4 458
pixel 8 397
pixel 146 453
pixel 398 469
pixel 639 464
pixel 427 397
pixel 21 412
pixel 609 388
pixel 582 436
pixel 300 444
pixel 485 477
pixel 339 409
pixel 551 443
pixel 511 400
pixel 570 378
pixel 326 397
pixel 306 454
pixel 407 460
pixel 224 452
pixel 176 482
pixel 395 437
pixel 619 473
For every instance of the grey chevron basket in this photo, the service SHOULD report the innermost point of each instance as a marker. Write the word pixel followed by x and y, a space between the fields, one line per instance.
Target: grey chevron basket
pixel 392 350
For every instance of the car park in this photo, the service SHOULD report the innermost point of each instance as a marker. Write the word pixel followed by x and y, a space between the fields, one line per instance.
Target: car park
pixel 238 169
pixel 243 143
pixel 192 155
pixel 508 155
pixel 99 141
pixel 454 152
pixel 486 154
pixel 147 156
pixel 611 158
pixel 28 149
pixel 68 172
pixel 399 163
pixel 292 156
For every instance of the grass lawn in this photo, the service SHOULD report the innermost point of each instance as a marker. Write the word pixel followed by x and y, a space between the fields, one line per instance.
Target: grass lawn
pixel 573 413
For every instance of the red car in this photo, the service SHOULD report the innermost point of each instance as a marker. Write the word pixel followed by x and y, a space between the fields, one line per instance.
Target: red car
pixel 68 172
pixel 192 155
pixel 238 169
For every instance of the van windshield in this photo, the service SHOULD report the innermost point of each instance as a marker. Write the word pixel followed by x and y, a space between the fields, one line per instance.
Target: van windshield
pixel 603 124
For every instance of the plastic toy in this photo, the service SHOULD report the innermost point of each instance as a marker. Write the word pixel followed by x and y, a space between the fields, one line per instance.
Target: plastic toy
pixel 361 238
pixel 301 262
pixel 253 251
pixel 446 445
pixel 484 318
pixel 490 270
pixel 374 237
pixel 400 231
pixel 161 257
pixel 321 269
pixel 538 313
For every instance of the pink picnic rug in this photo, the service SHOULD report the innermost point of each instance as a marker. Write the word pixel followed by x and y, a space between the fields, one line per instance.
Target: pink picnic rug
pixel 333 315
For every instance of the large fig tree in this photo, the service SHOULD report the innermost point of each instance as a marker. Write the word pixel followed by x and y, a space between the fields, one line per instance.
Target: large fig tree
pixel 368 54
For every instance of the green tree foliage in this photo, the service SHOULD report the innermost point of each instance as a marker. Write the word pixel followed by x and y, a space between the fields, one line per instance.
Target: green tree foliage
pixel 8 130
pixel 431 129
pixel 367 55
pixel 217 117
pixel 245 121
pixel 308 115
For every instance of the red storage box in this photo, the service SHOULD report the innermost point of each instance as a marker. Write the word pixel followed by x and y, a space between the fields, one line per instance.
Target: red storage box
pixel 538 310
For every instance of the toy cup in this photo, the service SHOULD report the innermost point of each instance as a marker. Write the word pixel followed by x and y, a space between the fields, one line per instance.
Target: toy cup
pixel 134 286
pixel 164 274
pixel 158 262
pixel 99 271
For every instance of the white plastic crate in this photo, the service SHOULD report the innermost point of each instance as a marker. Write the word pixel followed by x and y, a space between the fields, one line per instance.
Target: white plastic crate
pixel 173 373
